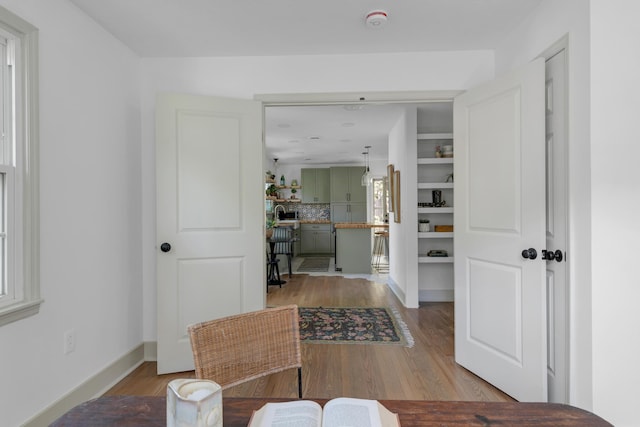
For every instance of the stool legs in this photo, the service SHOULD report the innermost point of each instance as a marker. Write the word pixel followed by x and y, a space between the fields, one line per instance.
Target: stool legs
pixel 273 273
pixel 380 246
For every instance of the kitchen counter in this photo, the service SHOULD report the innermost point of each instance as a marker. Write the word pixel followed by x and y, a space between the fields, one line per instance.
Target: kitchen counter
pixel 353 248
pixel 293 223
pixel 315 221
pixel 360 225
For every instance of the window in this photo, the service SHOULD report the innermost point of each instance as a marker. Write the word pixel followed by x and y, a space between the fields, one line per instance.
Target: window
pixel 380 201
pixel 19 208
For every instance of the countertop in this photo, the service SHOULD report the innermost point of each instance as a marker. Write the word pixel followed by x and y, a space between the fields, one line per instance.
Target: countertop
pixel 295 223
pixel 360 225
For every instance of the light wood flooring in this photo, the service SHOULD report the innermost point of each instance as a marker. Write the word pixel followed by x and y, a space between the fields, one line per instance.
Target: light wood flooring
pixel 426 371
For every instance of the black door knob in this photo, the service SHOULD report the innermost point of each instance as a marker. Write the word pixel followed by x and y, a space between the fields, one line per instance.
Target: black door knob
pixel 558 255
pixel 529 253
pixel 551 255
pixel 165 247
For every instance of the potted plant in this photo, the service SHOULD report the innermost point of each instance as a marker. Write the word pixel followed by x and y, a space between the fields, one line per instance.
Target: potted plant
pixel 272 190
pixel 270 223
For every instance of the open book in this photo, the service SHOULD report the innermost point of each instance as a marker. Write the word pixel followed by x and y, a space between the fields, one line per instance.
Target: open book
pixel 339 412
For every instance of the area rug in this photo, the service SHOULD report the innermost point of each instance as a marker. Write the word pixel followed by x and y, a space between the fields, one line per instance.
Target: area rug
pixel 314 264
pixel 353 325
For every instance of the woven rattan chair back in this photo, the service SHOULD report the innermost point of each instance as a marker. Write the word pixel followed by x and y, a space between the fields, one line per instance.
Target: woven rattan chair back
pixel 241 348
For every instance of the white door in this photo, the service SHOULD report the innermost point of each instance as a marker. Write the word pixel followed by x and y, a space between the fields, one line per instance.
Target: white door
pixel 557 226
pixel 210 210
pixel 500 296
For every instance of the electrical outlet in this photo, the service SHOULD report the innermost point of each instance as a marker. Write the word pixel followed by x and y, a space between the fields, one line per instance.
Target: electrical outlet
pixel 70 341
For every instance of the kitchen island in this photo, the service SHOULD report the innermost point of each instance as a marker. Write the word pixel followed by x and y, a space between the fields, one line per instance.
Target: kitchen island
pixel 353 246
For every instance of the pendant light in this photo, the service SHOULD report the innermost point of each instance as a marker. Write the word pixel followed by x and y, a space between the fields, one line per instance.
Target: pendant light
pixel 366 176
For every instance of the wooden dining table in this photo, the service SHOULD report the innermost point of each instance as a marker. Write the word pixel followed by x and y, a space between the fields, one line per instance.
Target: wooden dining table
pixel 150 411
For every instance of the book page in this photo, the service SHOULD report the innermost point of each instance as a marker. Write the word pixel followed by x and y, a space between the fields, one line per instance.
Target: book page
pixel 348 412
pixel 301 413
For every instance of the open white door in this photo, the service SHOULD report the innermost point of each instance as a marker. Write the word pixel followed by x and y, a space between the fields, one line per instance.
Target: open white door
pixel 210 210
pixel 500 296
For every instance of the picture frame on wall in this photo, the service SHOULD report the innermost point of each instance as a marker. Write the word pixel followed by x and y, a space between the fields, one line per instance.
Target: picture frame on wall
pixel 396 197
pixel 390 177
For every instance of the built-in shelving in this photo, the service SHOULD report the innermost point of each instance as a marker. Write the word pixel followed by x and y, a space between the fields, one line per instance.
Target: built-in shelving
pixel 434 235
pixel 435 178
pixel 427 136
pixel 435 210
pixel 424 259
pixel 435 161
pixel 435 185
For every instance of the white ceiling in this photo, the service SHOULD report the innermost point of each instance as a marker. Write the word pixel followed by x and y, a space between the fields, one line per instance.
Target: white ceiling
pixel 338 134
pixel 202 28
pixel 293 27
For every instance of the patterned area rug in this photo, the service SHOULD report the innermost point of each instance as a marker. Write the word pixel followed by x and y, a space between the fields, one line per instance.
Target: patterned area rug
pixel 353 325
pixel 312 264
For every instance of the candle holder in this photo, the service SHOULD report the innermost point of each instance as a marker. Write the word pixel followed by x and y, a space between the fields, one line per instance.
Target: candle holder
pixel 194 403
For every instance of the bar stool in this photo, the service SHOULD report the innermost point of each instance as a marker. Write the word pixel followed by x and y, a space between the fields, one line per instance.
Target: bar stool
pixel 273 272
pixel 380 247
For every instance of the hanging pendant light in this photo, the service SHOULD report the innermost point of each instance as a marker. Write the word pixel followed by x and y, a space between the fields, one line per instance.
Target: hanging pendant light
pixel 366 176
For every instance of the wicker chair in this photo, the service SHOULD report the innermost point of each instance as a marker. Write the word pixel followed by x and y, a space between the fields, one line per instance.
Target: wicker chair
pixel 241 348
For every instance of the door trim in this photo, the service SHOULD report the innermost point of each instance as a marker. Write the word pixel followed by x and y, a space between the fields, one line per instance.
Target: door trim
pixel 293 99
pixel 341 98
pixel 560 45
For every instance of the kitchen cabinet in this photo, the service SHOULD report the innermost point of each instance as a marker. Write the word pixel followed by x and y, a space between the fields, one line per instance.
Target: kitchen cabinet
pixel 315 238
pixel 346 185
pixel 348 212
pixel 316 187
pixel 353 250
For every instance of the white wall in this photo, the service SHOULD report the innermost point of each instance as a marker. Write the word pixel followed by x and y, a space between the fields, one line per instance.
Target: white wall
pixel 615 177
pixel 90 212
pixel 244 77
pixel 602 173
pixel 403 243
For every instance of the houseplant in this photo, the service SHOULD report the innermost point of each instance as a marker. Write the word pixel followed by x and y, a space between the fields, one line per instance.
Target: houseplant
pixel 270 223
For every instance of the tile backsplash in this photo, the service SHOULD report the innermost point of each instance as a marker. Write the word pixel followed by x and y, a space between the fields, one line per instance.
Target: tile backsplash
pixel 315 211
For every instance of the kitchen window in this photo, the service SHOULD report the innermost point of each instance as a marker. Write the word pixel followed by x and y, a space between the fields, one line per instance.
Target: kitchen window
pixel 380 201
pixel 19 212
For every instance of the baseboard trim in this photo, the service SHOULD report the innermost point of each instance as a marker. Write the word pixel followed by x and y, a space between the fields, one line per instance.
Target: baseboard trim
pixel 91 388
pixel 150 351
pixel 397 291
pixel 429 295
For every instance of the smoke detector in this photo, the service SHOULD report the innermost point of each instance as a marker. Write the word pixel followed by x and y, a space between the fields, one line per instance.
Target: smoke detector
pixel 376 19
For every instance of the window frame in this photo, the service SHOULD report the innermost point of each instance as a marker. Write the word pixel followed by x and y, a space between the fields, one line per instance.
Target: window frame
pixel 25 259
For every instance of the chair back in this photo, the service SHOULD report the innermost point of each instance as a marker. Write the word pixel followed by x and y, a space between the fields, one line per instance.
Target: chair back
pixel 284 245
pixel 241 348
pixel 281 233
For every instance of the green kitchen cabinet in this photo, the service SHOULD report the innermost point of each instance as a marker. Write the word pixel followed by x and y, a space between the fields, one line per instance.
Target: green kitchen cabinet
pixel 346 185
pixel 315 238
pixel 315 185
pixel 348 212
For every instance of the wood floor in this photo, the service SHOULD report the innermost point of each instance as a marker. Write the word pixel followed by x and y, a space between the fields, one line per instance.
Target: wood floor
pixel 426 371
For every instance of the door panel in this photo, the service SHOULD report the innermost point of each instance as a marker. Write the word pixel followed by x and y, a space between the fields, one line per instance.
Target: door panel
pixel 210 210
pixel 495 293
pixel 500 296
pixel 196 176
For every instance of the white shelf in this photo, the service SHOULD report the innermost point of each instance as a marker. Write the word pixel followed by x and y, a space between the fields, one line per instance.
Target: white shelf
pixel 429 136
pixel 423 259
pixel 446 210
pixel 435 161
pixel 434 185
pixel 434 235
